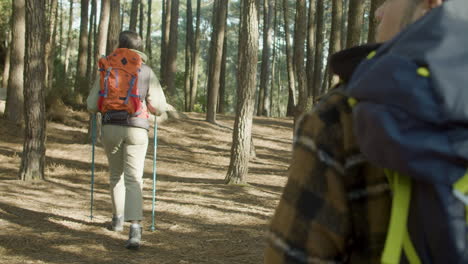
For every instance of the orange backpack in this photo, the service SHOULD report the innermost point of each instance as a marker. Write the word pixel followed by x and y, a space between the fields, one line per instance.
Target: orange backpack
pixel 119 82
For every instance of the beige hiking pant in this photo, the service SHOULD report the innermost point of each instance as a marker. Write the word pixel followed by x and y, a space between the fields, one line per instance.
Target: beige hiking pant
pixel 126 150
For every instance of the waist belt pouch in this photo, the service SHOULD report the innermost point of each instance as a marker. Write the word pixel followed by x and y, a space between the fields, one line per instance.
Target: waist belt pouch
pixel 116 116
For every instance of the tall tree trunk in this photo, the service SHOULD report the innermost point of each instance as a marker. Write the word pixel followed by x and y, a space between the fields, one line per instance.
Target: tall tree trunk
pixel 15 98
pixel 103 29
pixel 265 75
pixel 69 39
pixel 355 22
pixel 311 94
pixel 242 135
pixel 373 22
pixel 222 78
pixel 50 43
pixel 61 31
pixel 335 35
pixel 172 49
pixel 91 68
pixel 274 58
pixel 195 59
pixel 6 67
pixel 318 68
pixel 166 31
pixel 290 64
pixel 300 34
pixel 81 85
pixel 216 56
pixel 33 158
pixel 148 32
pixel 142 18
pixel 188 55
pixel 114 26
pixel 344 23
pixel 134 15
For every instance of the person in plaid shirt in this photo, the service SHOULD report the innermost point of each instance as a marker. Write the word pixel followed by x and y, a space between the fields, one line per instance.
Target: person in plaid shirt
pixel 336 206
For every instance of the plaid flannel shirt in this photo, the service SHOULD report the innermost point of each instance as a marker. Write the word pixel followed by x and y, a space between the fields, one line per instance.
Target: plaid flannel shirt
pixel 336 206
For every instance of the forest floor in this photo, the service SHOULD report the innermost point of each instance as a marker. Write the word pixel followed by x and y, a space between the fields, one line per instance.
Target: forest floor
pixel 199 219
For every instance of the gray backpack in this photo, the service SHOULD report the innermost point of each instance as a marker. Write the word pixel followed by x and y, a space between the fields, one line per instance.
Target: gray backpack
pixel 411 118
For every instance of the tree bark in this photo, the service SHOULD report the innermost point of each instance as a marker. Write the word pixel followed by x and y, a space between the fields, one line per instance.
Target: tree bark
pixel 148 32
pixel 247 78
pixel 6 67
pixel 91 68
pixel 290 64
pixel 103 29
pixel 195 59
pixel 318 68
pixel 114 26
pixel 188 55
pixel 311 31
pixel 166 30
pixel 300 34
pixel 69 36
pixel 172 49
pixel 50 43
pixel 373 22
pixel 222 77
pixel 265 75
pixel 15 98
pixel 142 18
pixel 81 85
pixel 335 35
pixel 216 56
pixel 134 15
pixel 355 22
pixel 33 158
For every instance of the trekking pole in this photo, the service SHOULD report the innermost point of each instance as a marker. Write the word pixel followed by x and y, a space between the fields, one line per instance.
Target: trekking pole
pixel 154 171
pixel 93 138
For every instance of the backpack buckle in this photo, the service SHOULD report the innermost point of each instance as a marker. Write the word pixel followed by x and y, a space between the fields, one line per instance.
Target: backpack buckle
pixel 461 196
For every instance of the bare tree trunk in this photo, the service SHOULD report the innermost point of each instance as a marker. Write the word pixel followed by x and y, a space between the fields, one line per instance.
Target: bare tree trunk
pixel 265 76
pixel 195 59
pixel 188 55
pixel 148 32
pixel 300 34
pixel 172 49
pixel 33 158
pixel 216 56
pixel 81 85
pixel 114 26
pixel 344 23
pixel 310 53
pixel 50 43
pixel 69 40
pixel 318 68
pixel 372 22
pixel 142 18
pixel 355 22
pixel 335 35
pixel 103 29
pixel 166 31
pixel 290 64
pixel 91 68
pixel 6 68
pixel 274 58
pixel 134 15
pixel 242 135
pixel 222 77
pixel 15 99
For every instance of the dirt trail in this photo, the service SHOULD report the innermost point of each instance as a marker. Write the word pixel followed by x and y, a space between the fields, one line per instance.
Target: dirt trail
pixel 198 218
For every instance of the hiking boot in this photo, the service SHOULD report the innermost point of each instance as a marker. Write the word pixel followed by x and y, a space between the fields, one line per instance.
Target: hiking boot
pixel 117 224
pixel 134 237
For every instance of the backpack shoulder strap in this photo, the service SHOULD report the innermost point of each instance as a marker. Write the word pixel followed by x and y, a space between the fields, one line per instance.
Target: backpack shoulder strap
pixel 144 78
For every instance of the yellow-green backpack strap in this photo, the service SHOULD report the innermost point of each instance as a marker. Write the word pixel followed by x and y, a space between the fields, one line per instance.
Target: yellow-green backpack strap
pixel 460 190
pixel 397 236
